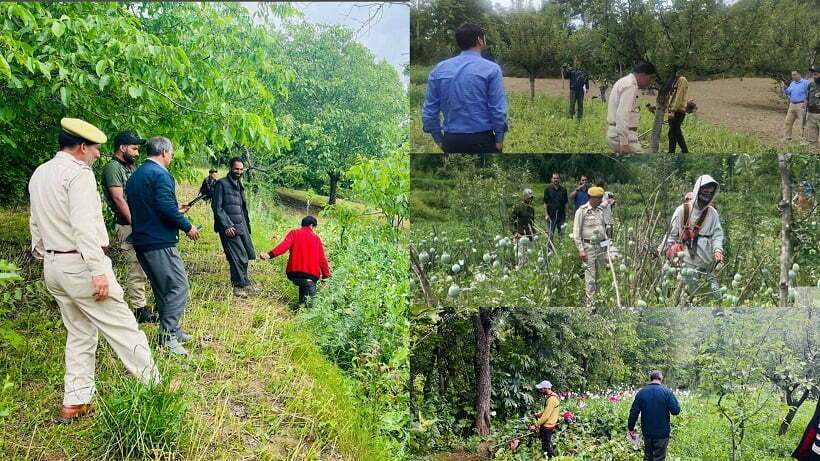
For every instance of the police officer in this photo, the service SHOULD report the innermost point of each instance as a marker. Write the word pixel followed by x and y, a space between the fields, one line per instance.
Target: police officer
pixel 589 230
pixel 68 233
pixel 521 221
pixel 623 111
pixel 114 176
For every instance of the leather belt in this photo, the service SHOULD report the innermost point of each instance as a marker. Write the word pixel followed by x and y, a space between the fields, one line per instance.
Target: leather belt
pixel 632 128
pixel 586 240
pixel 73 252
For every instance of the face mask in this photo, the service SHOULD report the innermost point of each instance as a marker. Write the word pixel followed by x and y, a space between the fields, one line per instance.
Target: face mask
pixel 706 197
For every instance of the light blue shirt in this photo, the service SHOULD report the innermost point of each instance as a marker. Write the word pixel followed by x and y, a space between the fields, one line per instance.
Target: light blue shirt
pixel 797 91
pixel 469 90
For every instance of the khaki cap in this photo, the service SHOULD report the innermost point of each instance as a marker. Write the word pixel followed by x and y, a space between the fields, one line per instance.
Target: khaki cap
pixel 83 129
pixel 596 192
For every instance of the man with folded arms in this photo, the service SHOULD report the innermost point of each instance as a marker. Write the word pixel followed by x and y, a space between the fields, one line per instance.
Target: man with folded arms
pixel 114 176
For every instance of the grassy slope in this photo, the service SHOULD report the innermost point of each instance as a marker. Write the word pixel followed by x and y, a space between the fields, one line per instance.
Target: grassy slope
pixel 543 126
pixel 257 385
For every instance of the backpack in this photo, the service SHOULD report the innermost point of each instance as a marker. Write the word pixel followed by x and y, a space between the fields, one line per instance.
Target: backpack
pixel 690 233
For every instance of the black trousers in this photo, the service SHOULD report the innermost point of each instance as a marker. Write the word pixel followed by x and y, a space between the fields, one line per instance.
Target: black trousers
pixel 556 220
pixel 236 252
pixel 676 133
pixel 546 440
pixel 576 97
pixel 654 449
pixel 469 143
pixel 307 289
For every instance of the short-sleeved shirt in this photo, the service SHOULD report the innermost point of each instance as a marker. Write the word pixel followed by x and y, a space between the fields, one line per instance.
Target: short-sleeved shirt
pixel 115 174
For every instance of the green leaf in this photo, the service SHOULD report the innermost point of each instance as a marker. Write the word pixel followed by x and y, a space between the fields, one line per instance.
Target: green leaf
pixel 64 95
pixel 100 68
pixel 57 28
pixel 5 69
pixel 135 91
pixel 104 81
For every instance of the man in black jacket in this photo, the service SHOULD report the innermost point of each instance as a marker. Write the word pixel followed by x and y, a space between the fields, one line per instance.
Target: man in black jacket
pixel 206 190
pixel 232 224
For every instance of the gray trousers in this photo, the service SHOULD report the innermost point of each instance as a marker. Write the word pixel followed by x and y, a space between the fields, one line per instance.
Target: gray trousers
pixel 655 449
pixel 169 282
pixel 237 255
pixel 576 97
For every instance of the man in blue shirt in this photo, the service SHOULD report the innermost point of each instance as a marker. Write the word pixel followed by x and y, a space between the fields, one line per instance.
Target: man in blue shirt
pixel 469 91
pixel 579 195
pixel 796 92
pixel 156 219
pixel 578 86
pixel 654 403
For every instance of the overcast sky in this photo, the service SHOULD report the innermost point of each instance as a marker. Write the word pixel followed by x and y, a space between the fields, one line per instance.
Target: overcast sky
pixel 387 35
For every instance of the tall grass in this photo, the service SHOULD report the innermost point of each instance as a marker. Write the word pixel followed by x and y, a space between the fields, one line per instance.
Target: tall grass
pixel 138 420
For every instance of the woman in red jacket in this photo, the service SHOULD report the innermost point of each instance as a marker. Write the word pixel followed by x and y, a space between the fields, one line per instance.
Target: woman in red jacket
pixel 307 262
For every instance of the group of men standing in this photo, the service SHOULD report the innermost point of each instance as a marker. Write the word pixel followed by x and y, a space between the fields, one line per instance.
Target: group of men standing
pixel 68 233
pixel 693 241
pixel 804 107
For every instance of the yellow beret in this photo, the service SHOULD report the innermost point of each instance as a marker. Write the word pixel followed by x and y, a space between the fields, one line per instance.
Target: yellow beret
pixel 83 129
pixel 596 192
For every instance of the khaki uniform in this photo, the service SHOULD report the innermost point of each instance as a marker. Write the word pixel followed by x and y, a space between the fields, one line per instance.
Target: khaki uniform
pixel 812 129
pixel 624 115
pixel 588 231
pixel 66 216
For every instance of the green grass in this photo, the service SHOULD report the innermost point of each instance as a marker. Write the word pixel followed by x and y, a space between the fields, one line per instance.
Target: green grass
pixel 698 433
pixel 542 126
pixel 256 384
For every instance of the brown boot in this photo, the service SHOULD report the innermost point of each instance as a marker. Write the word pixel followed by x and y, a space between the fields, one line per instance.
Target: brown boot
pixel 69 412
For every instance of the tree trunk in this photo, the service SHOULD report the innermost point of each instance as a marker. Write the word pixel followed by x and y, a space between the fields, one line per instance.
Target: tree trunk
pixel 411 395
pixel 662 102
pixel 794 405
pixel 483 332
pixel 334 182
pixel 785 227
pixel 532 87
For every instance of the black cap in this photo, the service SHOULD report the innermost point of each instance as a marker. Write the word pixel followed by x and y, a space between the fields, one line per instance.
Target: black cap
pixel 126 137
pixel 814 69
pixel 212 170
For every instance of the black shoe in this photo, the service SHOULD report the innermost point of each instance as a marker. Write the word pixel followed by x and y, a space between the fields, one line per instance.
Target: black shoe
pixel 144 315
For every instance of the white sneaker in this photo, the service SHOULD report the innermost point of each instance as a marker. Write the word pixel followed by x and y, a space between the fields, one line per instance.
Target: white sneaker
pixel 173 345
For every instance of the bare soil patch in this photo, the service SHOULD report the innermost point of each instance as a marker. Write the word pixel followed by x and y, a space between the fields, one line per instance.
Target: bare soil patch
pixel 749 105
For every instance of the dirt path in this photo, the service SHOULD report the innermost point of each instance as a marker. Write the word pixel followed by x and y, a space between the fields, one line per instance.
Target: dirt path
pixel 748 106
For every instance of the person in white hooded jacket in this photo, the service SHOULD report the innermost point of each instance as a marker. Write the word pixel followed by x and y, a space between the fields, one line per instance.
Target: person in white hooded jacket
pixel 696 228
